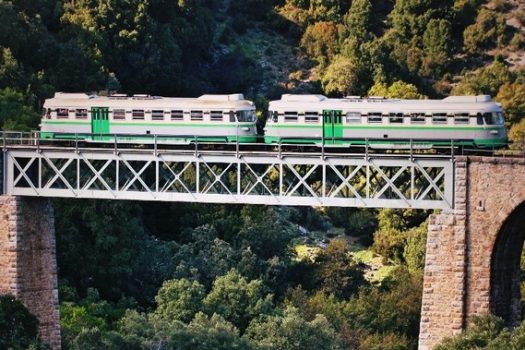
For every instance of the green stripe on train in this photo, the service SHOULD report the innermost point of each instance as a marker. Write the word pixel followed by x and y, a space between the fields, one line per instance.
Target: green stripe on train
pixel 385 127
pixel 160 124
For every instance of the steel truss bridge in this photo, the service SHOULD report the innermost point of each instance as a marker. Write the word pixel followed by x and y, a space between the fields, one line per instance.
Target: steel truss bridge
pixel 197 174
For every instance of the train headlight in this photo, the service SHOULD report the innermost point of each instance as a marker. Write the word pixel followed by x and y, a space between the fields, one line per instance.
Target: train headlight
pixel 245 129
pixel 494 132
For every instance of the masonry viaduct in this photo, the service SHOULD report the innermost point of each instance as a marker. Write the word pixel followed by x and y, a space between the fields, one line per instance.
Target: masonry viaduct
pixel 472 263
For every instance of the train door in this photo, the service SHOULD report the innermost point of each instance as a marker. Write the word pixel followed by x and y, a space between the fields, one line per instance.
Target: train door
pixel 332 125
pixel 100 123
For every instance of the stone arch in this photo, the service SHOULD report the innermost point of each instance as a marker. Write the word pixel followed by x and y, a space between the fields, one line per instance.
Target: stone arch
pixel 505 295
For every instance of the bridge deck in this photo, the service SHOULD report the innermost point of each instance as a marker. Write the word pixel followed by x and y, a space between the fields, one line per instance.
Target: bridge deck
pixel 247 177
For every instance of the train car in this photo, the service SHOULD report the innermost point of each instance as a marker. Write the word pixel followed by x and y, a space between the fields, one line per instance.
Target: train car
pixel 471 121
pixel 211 118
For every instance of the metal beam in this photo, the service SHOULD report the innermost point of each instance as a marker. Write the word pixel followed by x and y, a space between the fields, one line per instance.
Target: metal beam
pixel 272 178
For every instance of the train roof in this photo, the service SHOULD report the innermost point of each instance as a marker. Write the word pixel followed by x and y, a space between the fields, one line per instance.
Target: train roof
pixel 79 100
pixel 479 103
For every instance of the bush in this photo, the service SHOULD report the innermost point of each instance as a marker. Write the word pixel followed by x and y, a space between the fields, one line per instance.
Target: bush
pixel 18 327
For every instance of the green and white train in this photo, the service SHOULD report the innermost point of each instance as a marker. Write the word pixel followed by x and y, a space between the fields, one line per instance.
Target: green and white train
pixel 210 118
pixel 469 121
pixel 466 121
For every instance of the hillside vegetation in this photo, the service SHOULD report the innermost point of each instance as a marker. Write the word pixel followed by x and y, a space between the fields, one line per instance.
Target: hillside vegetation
pixel 185 276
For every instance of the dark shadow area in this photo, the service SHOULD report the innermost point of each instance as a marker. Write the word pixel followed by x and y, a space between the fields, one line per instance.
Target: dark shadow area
pixel 505 293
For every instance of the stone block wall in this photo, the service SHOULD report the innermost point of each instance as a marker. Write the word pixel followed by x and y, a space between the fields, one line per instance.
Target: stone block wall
pixel 28 268
pixel 473 252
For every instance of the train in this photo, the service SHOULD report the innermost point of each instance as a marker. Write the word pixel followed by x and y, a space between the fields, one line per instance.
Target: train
pixel 143 118
pixel 463 121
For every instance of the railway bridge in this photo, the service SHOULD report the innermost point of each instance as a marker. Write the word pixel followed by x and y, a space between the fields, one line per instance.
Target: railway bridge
pixel 474 243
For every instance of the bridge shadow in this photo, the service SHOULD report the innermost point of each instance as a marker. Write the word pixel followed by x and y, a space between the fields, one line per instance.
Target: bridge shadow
pixel 505 295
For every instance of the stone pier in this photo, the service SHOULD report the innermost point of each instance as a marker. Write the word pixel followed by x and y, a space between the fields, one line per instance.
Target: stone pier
pixel 28 268
pixel 473 253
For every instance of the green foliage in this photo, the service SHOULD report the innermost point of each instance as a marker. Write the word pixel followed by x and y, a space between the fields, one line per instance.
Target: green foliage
pixel 336 270
pixel 102 244
pixel 179 300
pixel 238 300
pixel 517 134
pixel 512 99
pixel 481 331
pixel 343 77
pixel 18 327
pixel 394 308
pixel 320 40
pixel 292 332
pixel 398 89
pixel 385 341
pixel 487 32
pixel 15 114
pixel 486 80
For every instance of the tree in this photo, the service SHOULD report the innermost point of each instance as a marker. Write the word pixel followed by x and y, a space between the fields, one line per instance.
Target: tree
pixel 179 300
pixel 512 99
pixel 18 327
pixel 398 89
pixel 15 114
pixel 486 80
pixel 487 32
pixel 292 332
pixel 319 41
pixel 238 300
pixel 336 270
pixel 343 77
pixel 359 20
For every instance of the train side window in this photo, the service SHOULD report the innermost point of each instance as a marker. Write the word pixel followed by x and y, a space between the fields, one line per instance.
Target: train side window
pixel 461 118
pixel 177 115
pixel 311 117
pixel 137 114
pixel 81 113
pixel 375 117
pixel 119 114
pixel 395 118
pixel 196 115
pixel 417 118
pixel 157 114
pixel 439 118
pixel 290 117
pixel 62 113
pixel 216 116
pixel 353 117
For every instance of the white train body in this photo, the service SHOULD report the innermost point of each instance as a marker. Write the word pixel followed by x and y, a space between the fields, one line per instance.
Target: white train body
pixel 463 120
pixel 221 118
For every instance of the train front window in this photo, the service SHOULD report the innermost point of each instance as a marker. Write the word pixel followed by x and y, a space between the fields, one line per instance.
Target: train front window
pixel 275 116
pixel 500 120
pixel 245 116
